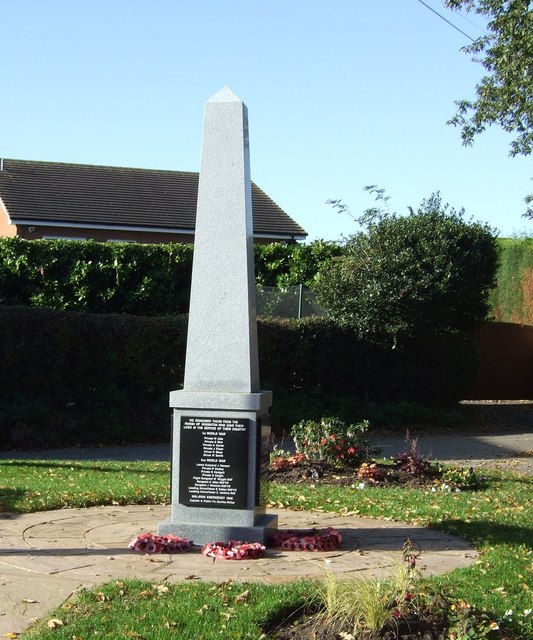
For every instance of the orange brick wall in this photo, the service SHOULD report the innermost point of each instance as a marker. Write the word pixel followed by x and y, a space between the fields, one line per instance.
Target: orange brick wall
pixel 6 230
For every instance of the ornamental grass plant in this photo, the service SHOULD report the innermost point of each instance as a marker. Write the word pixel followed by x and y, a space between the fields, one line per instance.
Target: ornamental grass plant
pixel 363 602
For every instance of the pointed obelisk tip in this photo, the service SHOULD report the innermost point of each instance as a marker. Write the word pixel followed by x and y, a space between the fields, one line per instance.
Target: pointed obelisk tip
pixel 225 95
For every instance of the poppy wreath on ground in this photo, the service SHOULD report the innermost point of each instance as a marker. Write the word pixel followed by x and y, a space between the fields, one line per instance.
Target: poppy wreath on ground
pixel 234 550
pixel 307 540
pixel 150 543
pixel 289 540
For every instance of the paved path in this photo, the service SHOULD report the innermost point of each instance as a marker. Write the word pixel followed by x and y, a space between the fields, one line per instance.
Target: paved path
pixel 45 557
pixel 511 449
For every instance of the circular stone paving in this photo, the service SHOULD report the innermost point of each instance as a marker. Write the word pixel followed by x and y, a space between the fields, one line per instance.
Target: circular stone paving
pixel 46 556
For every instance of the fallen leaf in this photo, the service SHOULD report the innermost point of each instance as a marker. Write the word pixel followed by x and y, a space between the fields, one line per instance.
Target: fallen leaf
pixel 10 634
pixel 53 623
pixel 170 625
pixel 243 596
pixel 28 601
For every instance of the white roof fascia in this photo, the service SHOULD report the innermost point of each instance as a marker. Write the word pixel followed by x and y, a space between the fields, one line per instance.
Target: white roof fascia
pixel 109 227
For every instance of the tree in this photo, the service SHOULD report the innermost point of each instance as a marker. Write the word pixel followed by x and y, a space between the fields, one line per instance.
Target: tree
pixel 413 276
pixel 505 95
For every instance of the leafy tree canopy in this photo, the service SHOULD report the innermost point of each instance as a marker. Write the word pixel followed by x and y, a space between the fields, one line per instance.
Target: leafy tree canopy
pixel 408 277
pixel 505 95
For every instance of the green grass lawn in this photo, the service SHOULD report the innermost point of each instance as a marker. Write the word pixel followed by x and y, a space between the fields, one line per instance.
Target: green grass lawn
pixel 497 519
pixel 37 485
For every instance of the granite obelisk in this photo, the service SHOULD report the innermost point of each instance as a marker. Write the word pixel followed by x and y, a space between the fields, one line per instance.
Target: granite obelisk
pixel 220 417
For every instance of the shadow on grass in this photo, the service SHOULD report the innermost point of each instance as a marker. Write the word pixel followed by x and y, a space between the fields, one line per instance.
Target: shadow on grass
pixel 489 532
pixel 105 467
pixel 9 497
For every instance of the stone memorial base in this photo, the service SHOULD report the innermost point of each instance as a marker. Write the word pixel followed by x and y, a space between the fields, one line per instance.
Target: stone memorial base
pixel 202 534
pixel 221 447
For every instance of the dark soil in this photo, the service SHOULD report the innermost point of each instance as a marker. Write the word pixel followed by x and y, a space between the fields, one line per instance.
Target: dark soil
pixel 313 626
pixel 420 625
pixel 322 473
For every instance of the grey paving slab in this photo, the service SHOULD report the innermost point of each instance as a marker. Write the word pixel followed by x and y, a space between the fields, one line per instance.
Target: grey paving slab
pixel 46 557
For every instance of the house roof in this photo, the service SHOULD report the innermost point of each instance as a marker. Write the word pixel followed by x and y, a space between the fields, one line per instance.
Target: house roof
pixel 78 194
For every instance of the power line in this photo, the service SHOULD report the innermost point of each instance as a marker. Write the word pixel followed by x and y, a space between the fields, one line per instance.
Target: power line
pixel 446 20
pixel 471 22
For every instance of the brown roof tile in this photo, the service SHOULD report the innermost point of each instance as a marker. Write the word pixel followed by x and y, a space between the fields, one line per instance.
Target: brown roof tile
pixel 97 195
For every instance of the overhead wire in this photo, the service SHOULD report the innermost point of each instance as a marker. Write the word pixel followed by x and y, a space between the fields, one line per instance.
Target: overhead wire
pixel 446 20
pixel 466 19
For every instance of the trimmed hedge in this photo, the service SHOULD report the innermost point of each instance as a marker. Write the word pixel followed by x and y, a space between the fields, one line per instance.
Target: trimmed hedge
pixel 153 280
pixel 328 370
pixel 75 378
pixel 99 277
pixel 139 279
pixel 512 299
pixel 286 265
pixel 72 378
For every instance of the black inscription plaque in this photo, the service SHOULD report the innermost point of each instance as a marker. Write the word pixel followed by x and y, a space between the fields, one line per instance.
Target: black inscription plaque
pixel 214 462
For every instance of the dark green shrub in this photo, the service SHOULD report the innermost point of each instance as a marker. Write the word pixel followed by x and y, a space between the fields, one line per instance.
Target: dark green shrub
pixel 413 277
pixel 326 358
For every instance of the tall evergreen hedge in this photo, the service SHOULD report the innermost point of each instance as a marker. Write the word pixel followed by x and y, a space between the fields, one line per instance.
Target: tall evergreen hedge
pixel 512 298
pixel 80 378
pixel 99 277
pixel 139 279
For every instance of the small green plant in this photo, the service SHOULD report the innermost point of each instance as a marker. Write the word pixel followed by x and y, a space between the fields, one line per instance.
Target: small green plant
pixel 462 478
pixel 277 452
pixel 465 623
pixel 331 440
pixel 370 472
pixel 521 620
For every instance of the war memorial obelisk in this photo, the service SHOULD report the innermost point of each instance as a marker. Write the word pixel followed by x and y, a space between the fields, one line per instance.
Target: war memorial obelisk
pixel 220 419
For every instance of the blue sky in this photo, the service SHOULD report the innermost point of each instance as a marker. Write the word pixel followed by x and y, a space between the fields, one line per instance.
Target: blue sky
pixel 340 94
